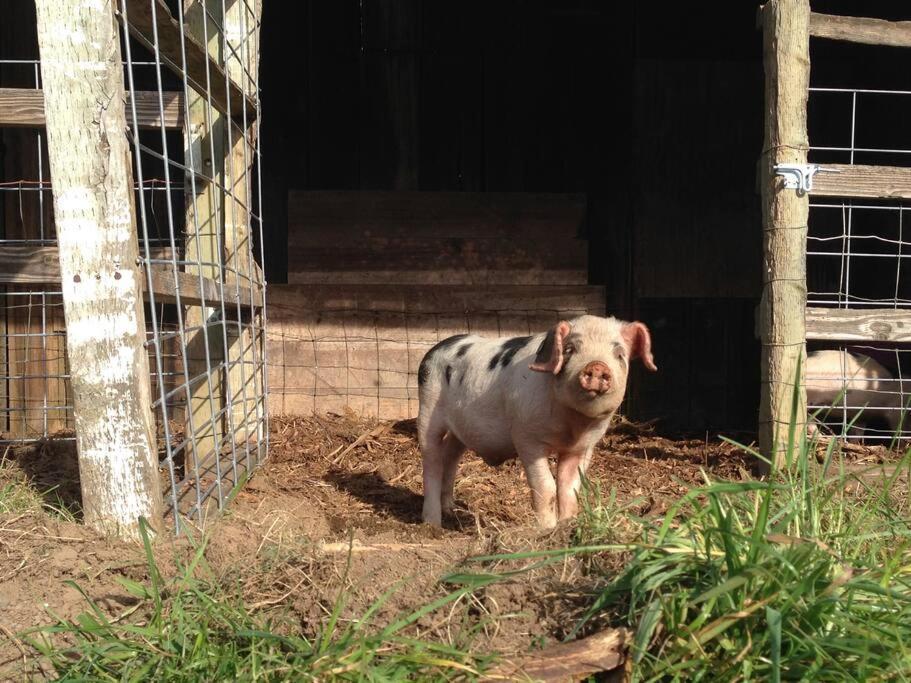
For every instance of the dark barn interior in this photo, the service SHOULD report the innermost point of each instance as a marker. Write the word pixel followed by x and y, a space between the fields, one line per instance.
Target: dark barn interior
pixel 653 110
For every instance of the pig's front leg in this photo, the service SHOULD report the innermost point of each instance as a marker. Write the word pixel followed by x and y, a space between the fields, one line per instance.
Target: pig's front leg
pixel 569 481
pixel 543 487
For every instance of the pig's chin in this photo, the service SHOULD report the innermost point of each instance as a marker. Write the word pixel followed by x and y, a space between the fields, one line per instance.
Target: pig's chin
pixel 594 405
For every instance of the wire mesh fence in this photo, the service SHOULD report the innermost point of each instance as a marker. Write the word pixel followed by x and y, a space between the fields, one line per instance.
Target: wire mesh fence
pixel 195 165
pixel 358 348
pixel 857 259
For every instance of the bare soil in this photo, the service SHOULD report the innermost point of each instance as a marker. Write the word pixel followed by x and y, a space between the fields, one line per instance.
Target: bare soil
pixel 337 483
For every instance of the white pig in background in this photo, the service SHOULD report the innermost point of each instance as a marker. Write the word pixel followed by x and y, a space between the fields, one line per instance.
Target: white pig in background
pixel 836 378
pixel 527 397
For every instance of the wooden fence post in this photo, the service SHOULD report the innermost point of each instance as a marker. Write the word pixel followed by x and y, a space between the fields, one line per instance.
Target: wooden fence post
pixel 785 213
pixel 242 34
pixel 204 140
pixel 99 263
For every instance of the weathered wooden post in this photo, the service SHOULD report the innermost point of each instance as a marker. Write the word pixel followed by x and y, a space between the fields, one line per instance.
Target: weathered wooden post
pixel 101 278
pixel 242 35
pixel 785 213
pixel 204 142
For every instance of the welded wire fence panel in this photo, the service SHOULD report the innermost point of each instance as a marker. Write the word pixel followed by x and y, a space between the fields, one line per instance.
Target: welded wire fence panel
pixel 202 240
pixel 858 255
pixel 335 349
pixel 197 196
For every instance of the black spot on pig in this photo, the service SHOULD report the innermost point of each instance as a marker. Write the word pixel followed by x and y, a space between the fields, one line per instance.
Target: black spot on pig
pixel 424 367
pixel 509 349
pixel 463 350
pixel 448 373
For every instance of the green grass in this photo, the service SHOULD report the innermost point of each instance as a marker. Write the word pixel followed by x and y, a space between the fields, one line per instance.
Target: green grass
pixel 192 629
pixel 794 577
pixel 789 578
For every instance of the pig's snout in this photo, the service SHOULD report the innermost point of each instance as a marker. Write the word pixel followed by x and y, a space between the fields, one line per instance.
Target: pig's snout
pixel 595 377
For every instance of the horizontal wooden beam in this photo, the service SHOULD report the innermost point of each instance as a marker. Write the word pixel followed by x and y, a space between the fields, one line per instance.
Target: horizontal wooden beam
pixel 424 238
pixel 26 265
pixel 146 17
pixel 877 324
pixel 294 302
pixel 871 182
pixel 208 293
pixel 861 30
pixel 24 108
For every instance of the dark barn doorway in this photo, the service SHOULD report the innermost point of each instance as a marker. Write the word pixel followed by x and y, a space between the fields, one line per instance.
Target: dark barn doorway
pixel 651 112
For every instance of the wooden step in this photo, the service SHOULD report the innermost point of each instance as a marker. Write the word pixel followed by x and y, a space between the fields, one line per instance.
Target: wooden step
pixel 436 238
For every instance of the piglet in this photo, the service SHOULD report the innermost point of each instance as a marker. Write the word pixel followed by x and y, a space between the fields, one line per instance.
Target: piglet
pixel 835 379
pixel 527 397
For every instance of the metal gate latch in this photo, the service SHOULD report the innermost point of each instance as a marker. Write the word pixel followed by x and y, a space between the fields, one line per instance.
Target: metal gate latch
pixel 800 176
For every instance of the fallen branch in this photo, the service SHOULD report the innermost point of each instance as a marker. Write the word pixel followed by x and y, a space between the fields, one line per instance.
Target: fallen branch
pixel 599 653
pixel 358 547
pixel 375 432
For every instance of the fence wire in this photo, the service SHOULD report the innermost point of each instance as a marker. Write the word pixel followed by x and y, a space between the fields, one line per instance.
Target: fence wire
pixel 200 232
pixel 857 259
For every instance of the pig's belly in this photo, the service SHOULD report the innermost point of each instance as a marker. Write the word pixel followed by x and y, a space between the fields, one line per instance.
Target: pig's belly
pixel 493 446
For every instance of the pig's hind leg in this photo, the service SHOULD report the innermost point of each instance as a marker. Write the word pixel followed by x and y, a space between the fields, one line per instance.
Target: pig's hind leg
pixel 441 452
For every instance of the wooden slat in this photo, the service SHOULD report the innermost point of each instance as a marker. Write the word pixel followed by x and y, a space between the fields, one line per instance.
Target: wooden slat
pixel 24 265
pixel 204 203
pixel 436 238
pixel 24 108
pixel 872 182
pixel 290 302
pixel 192 294
pixel 878 324
pixel 861 30
pixel 227 97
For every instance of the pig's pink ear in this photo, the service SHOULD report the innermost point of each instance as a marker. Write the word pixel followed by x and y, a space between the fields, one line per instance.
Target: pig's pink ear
pixel 550 353
pixel 639 342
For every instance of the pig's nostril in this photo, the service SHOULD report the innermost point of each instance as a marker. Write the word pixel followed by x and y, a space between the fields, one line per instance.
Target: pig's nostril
pixel 595 377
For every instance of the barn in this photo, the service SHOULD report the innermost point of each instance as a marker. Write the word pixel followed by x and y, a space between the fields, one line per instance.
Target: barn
pixel 323 189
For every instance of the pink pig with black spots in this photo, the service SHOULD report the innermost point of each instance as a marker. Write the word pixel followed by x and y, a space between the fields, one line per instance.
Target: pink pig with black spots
pixel 527 397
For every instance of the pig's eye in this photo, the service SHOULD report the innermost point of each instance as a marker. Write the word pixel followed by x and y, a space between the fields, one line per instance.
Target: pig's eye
pixel 568 350
pixel 620 351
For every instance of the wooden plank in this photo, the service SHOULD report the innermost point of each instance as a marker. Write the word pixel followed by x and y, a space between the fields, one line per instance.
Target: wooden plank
pixel 289 302
pixel 204 143
pixel 21 265
pixel 436 238
pixel 784 221
pixel 204 71
pixel 861 30
pixel 96 229
pixel 191 293
pixel 24 108
pixel 244 381
pixel 872 182
pixel 874 324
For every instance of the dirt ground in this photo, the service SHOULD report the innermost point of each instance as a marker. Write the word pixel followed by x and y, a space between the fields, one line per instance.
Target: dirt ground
pixel 331 481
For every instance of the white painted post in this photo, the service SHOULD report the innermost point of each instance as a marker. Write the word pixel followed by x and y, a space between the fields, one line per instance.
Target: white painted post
pixel 95 215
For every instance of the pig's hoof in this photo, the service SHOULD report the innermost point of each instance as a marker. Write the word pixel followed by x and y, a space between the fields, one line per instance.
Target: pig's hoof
pixel 432 520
